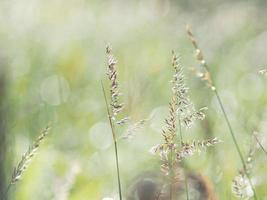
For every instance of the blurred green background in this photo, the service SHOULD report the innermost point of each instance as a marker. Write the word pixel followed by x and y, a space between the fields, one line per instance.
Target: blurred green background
pixel 52 59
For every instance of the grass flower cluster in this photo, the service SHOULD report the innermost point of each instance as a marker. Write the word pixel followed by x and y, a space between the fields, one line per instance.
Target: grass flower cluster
pixel 182 113
pixel 25 161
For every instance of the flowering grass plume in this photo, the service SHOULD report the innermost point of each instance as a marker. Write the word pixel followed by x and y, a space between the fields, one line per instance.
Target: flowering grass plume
pixel 115 103
pixel 25 161
pixel 182 112
pixel 190 148
pixel 115 107
pixel 186 111
pixel 181 109
pixel 27 157
pixel 203 72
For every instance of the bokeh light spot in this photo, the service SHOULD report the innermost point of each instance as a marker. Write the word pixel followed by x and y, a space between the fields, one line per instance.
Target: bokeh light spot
pixel 100 135
pixel 55 90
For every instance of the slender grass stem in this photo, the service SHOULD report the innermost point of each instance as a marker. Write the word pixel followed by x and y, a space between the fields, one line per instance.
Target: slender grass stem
pixel 185 180
pixel 209 80
pixel 186 186
pixel 235 142
pixel 230 127
pixel 5 194
pixel 114 141
pixel 118 169
pixel 171 174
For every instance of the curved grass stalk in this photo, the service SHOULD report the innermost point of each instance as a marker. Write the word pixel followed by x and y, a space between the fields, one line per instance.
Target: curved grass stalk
pixel 207 77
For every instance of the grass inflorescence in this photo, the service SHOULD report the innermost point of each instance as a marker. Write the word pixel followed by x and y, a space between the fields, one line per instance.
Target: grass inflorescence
pixel 25 161
pixel 182 113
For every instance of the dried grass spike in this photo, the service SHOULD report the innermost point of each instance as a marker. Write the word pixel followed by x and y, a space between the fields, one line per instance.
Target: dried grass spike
pixel 186 111
pixel 205 74
pixel 27 157
pixel 116 105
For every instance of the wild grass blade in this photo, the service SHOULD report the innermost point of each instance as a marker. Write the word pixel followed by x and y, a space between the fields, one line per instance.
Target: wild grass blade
pixel 114 140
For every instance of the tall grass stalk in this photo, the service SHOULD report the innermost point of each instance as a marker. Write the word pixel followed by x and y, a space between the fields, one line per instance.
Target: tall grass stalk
pixel 114 141
pixel 207 77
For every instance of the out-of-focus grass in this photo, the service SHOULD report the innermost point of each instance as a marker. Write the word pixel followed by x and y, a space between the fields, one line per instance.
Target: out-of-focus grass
pixel 55 53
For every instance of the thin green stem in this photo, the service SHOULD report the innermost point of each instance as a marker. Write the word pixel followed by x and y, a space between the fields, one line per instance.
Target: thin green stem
pixel 235 142
pixel 171 173
pixel 5 194
pixel 230 128
pixel 118 169
pixel 186 186
pixel 114 141
pixel 185 180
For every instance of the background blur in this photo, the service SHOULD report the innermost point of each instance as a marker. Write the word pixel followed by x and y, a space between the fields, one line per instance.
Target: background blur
pixel 52 59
